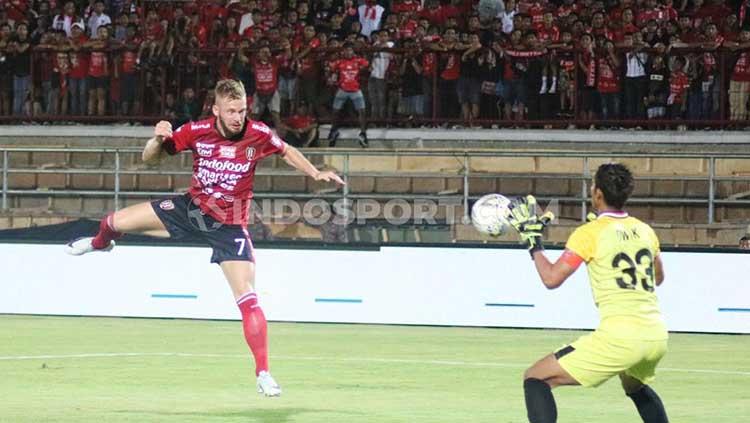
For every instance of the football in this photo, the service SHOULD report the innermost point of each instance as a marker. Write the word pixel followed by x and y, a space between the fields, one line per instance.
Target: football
pixel 490 214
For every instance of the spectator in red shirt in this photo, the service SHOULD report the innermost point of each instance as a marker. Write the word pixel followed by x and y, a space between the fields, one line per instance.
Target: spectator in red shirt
pixel 127 62
pixel 739 84
pixel 266 96
pixel 79 65
pixel 98 72
pixel 300 129
pixel 348 69
pixel 678 86
pixel 307 67
pixel 608 81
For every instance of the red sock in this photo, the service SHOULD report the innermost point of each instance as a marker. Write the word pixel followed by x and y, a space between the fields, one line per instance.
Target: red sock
pixel 106 233
pixel 256 330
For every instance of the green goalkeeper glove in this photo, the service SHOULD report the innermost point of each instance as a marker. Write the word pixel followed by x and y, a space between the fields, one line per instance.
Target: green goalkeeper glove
pixel 529 226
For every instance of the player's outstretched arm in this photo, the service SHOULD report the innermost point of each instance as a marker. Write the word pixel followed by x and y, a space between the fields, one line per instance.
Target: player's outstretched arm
pixel 554 274
pixel 298 161
pixel 153 152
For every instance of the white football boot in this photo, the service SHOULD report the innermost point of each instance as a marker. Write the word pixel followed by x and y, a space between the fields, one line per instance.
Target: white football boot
pixel 267 386
pixel 81 246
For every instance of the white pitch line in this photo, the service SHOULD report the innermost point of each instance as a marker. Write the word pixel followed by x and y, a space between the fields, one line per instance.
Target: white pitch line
pixel 334 359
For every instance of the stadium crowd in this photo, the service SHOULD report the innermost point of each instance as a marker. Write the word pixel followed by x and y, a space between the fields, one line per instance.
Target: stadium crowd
pixel 406 62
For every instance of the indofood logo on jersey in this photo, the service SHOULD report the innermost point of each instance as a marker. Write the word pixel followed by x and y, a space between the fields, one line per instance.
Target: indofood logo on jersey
pixel 222 165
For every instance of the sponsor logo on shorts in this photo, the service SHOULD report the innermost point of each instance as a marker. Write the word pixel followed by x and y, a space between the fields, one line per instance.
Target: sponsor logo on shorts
pixel 227 151
pixel 166 205
pixel 250 152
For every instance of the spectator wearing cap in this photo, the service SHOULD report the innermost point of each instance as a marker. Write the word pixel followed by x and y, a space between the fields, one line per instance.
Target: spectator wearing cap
pixel 79 64
pixel 745 242
pixel 65 20
pixel 98 18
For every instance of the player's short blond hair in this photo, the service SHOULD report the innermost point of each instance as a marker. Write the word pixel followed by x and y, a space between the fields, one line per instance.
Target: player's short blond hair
pixel 229 89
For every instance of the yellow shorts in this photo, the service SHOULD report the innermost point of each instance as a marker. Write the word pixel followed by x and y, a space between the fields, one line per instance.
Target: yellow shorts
pixel 594 358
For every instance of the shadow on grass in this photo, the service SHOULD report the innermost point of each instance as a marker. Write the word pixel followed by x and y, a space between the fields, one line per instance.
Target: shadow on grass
pixel 259 415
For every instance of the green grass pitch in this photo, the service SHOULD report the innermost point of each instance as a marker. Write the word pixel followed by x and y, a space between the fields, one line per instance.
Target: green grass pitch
pixel 201 371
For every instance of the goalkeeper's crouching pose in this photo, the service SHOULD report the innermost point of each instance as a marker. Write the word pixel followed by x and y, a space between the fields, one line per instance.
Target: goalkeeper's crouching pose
pixel 624 266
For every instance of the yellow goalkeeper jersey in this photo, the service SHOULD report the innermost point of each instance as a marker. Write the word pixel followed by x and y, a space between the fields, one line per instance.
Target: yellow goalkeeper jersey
pixel 619 253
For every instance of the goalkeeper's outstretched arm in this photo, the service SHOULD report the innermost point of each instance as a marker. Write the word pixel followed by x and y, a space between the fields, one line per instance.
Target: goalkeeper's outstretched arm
pixel 554 274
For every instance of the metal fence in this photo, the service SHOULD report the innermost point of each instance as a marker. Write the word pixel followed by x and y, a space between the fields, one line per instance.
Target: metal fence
pixel 712 100
pixel 463 196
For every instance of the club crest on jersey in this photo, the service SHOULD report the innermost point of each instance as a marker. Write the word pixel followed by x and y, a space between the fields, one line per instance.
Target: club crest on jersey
pixel 166 205
pixel 227 151
pixel 250 152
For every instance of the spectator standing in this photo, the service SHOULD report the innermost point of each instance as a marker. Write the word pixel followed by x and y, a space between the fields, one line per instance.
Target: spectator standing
pixel 376 85
pixel 307 67
pixel 449 59
pixel 348 69
pixel 608 82
pixel 370 15
pixel 266 96
pixel 739 84
pixel 65 20
pixel 469 83
pixel 98 18
pixel 98 72
pixel 128 58
pixel 58 100
pixel 287 78
pixel 635 84
pixel 658 88
pixel 678 86
pixel 19 53
pixel 79 65
pixel 411 82
pixel 6 70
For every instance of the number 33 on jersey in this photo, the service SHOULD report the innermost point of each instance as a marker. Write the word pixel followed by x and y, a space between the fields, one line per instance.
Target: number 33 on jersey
pixel 619 252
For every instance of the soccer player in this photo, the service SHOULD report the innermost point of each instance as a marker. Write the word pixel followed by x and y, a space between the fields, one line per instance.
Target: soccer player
pixel 622 256
pixel 226 149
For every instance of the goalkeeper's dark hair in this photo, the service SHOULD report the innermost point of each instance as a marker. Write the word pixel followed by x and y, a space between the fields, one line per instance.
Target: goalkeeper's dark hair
pixel 616 183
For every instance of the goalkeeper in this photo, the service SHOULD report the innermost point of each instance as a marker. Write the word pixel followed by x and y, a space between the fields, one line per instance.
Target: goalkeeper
pixel 622 256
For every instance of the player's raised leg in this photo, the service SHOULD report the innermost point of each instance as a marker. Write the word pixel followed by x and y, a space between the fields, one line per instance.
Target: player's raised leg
pixel 538 381
pixel 138 218
pixel 241 277
pixel 646 400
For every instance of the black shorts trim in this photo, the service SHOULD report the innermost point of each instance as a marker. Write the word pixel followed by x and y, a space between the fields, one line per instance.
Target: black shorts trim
pixel 562 352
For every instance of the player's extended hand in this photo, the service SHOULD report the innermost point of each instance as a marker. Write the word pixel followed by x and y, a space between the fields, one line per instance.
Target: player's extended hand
pixel 530 226
pixel 163 130
pixel 328 176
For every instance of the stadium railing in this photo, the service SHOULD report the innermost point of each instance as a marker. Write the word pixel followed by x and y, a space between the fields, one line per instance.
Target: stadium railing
pixel 706 105
pixel 462 197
